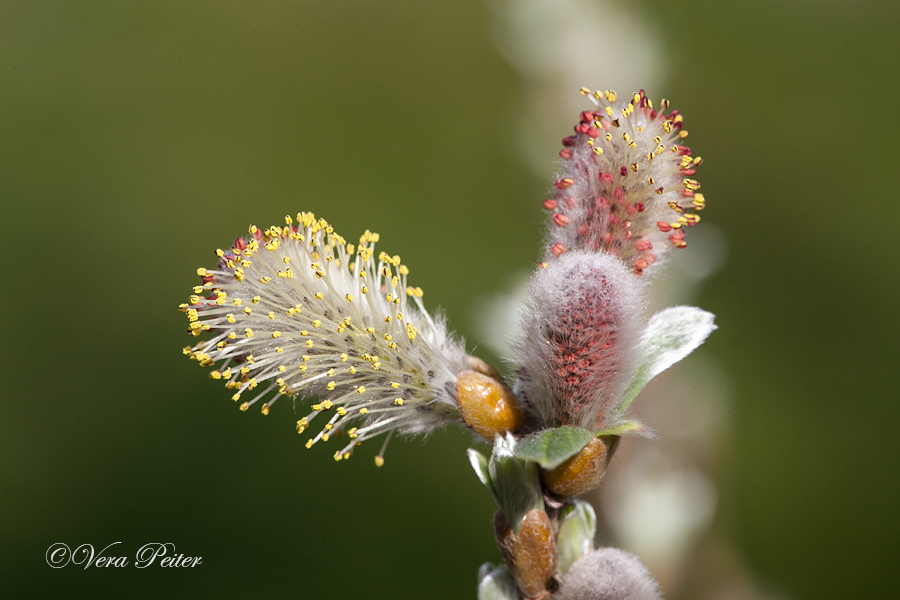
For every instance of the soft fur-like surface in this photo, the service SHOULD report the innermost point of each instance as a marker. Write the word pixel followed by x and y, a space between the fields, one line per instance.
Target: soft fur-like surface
pixel 297 311
pixel 609 574
pixel 578 341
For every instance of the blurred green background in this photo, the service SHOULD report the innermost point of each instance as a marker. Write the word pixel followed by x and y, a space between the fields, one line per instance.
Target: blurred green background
pixel 137 137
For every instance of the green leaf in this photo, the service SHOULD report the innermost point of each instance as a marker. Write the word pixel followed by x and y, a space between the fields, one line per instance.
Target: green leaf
pixel 671 335
pixel 625 428
pixel 515 483
pixel 480 465
pixel 550 447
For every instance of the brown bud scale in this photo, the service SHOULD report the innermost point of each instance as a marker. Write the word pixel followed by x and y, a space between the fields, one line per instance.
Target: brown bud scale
pixel 583 471
pixel 487 405
pixel 531 555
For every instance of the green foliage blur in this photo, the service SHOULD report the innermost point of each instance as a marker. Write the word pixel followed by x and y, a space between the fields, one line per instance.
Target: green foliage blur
pixel 138 137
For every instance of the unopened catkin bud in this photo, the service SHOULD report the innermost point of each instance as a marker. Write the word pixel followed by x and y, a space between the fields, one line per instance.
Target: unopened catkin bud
pixel 583 471
pixel 579 341
pixel 531 555
pixel 486 404
pixel 609 574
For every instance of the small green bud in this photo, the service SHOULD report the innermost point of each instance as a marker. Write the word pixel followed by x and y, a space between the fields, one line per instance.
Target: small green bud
pixel 496 583
pixel 577 525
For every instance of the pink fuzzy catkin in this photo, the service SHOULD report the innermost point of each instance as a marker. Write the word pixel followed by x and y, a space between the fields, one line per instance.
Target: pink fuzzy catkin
pixel 578 341
pixel 625 185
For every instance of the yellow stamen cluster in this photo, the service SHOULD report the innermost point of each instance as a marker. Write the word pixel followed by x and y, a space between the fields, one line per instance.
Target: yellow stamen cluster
pixel 337 323
pixel 626 182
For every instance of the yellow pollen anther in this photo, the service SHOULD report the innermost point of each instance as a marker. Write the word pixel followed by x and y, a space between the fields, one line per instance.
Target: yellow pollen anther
pixel 398 401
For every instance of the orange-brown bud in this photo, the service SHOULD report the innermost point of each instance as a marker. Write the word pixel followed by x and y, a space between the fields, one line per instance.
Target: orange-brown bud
pixel 531 555
pixel 487 405
pixel 583 471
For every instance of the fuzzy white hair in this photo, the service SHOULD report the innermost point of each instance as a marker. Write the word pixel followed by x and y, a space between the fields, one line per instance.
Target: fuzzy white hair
pixel 578 340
